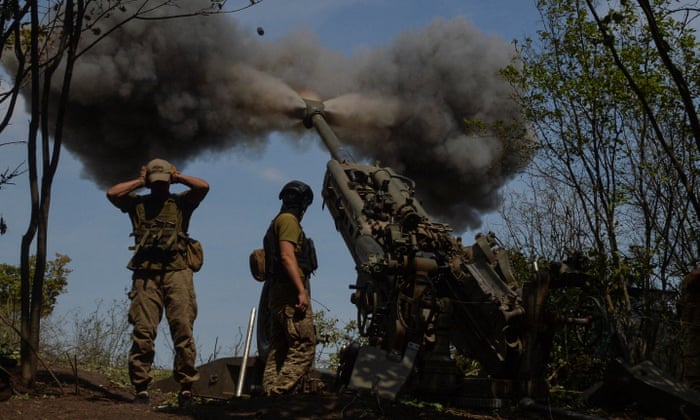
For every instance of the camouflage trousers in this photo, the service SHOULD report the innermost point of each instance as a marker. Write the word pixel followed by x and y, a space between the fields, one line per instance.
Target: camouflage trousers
pixel 151 293
pixel 292 349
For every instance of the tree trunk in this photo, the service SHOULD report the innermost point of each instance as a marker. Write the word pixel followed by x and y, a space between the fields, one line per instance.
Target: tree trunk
pixel 28 357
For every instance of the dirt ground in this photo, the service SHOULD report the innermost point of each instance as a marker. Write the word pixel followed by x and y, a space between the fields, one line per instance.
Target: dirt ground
pixel 93 396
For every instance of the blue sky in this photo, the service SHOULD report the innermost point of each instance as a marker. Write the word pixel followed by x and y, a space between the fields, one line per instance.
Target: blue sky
pixel 244 186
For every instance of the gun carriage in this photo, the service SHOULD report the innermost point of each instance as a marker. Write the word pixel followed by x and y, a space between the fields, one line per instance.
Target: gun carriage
pixel 420 293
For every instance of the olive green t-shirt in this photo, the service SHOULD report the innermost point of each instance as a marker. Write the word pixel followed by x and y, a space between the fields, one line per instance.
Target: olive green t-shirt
pixel 287 228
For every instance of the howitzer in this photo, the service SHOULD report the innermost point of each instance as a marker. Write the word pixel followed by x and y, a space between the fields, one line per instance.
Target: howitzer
pixel 419 292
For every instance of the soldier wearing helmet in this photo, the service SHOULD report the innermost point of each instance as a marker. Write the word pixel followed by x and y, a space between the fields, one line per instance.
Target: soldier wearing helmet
pixel 162 276
pixel 290 260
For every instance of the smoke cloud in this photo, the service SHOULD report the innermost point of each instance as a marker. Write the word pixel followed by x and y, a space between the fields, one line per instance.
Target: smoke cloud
pixel 186 87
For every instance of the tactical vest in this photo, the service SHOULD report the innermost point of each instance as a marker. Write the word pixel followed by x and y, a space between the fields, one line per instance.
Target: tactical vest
pixel 159 240
pixel 305 255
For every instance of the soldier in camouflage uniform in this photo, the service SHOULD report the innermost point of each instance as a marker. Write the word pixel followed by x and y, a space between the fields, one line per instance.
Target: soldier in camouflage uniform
pixel 290 260
pixel 161 278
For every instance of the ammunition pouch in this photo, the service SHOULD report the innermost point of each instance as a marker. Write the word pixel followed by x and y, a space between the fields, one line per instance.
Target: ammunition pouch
pixel 158 237
pixel 194 254
pixel 265 265
pixel 306 257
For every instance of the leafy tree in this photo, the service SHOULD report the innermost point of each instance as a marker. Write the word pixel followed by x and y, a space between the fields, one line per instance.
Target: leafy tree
pixel 55 282
pixel 616 168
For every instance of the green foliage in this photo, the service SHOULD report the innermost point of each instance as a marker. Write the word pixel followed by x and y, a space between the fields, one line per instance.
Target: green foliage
pixel 613 131
pixel 332 336
pixel 55 282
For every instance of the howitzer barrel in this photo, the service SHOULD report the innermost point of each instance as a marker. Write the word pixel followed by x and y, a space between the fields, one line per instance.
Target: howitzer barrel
pixel 314 118
pixel 346 209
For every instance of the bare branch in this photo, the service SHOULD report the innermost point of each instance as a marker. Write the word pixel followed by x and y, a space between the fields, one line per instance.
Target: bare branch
pixel 142 12
pixel 7 175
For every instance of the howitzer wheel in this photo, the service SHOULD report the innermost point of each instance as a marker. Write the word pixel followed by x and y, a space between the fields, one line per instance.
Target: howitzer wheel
pixel 367 306
pixel 347 357
pixel 590 336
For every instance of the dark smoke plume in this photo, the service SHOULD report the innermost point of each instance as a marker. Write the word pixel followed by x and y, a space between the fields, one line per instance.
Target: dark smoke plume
pixel 186 87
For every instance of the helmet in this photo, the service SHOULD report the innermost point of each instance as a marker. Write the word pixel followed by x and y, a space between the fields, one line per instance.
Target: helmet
pixel 297 192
